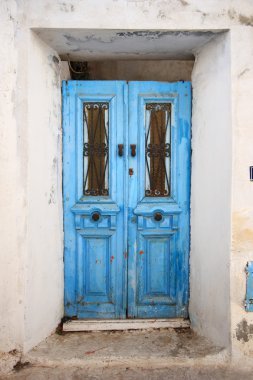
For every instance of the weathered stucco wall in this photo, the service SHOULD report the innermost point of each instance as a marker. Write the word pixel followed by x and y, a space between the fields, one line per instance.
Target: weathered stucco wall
pixel 31 223
pixel 140 14
pixel 44 261
pixel 31 244
pixel 13 185
pixel 211 191
pixel 160 70
pixel 242 188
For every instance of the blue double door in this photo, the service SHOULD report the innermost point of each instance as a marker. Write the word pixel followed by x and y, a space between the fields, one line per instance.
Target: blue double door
pixel 126 186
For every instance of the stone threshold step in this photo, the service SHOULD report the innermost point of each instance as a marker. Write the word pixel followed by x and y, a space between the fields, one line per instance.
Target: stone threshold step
pixel 157 348
pixel 147 362
pixel 124 324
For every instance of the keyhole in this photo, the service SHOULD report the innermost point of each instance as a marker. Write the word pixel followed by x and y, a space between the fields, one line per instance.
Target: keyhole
pixel 95 216
pixel 158 216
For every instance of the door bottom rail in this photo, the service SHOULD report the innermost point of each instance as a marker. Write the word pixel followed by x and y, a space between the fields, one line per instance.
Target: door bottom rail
pixel 124 324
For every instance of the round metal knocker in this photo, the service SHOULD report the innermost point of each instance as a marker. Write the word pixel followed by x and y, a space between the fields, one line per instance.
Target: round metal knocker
pixel 95 216
pixel 158 216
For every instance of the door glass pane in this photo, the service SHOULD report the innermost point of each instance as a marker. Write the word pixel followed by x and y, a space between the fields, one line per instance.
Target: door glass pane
pixel 96 148
pixel 157 149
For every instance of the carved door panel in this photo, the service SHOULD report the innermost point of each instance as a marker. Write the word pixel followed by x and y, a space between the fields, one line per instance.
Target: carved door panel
pixel 94 117
pixel 159 196
pixel 126 161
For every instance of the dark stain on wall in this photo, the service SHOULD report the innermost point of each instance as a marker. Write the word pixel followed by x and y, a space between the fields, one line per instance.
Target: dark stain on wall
pixel 243 72
pixel 246 20
pixel 150 35
pixel 72 39
pixel 67 7
pixel 243 331
pixel 184 2
pixel 55 59
pixel 232 14
pixel 54 63
pixel 147 34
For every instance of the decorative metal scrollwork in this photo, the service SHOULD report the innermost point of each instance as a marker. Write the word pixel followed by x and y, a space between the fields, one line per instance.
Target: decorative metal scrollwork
pixel 90 106
pixel 157 193
pixel 158 106
pixel 96 192
pixel 158 149
pixel 96 148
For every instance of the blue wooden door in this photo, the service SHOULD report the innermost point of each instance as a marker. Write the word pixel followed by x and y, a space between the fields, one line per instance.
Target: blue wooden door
pixel 126 182
pixel 159 196
pixel 94 124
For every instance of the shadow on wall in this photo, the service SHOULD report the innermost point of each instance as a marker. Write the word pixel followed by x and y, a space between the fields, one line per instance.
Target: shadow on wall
pixel 157 70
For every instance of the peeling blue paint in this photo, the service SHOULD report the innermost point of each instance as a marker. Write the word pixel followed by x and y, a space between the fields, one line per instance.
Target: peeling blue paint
pixel 126 263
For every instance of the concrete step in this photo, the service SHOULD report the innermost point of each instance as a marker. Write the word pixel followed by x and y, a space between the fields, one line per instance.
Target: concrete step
pixel 151 348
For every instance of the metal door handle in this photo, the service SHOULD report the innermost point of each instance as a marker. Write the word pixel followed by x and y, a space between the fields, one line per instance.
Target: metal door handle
pixel 120 149
pixel 133 150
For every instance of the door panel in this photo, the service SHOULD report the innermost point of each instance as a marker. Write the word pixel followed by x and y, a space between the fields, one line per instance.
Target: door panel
pixel 159 115
pixel 94 209
pixel 155 253
pixel 126 180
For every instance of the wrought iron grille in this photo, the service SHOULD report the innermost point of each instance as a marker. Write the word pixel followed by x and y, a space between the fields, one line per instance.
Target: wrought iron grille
pixel 96 148
pixel 157 149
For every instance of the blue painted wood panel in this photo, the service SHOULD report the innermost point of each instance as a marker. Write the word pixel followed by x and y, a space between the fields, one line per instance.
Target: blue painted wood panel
pixel 155 262
pixel 94 256
pixel 126 264
pixel 158 263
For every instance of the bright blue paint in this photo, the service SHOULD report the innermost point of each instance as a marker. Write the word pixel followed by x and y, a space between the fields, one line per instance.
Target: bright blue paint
pixel 153 246
pixel 94 260
pixel 249 287
pixel 100 282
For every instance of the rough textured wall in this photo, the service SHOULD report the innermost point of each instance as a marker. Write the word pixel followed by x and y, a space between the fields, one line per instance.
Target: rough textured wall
pixel 44 266
pixel 140 14
pixel 211 192
pixel 12 185
pixel 159 70
pixel 31 244
pixel 242 202
pixel 19 213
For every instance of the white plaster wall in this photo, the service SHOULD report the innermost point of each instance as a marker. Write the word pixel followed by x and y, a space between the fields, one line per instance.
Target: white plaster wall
pixel 31 225
pixel 12 186
pixel 242 199
pixel 139 14
pixel 44 263
pixel 65 73
pixel 31 243
pixel 211 191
